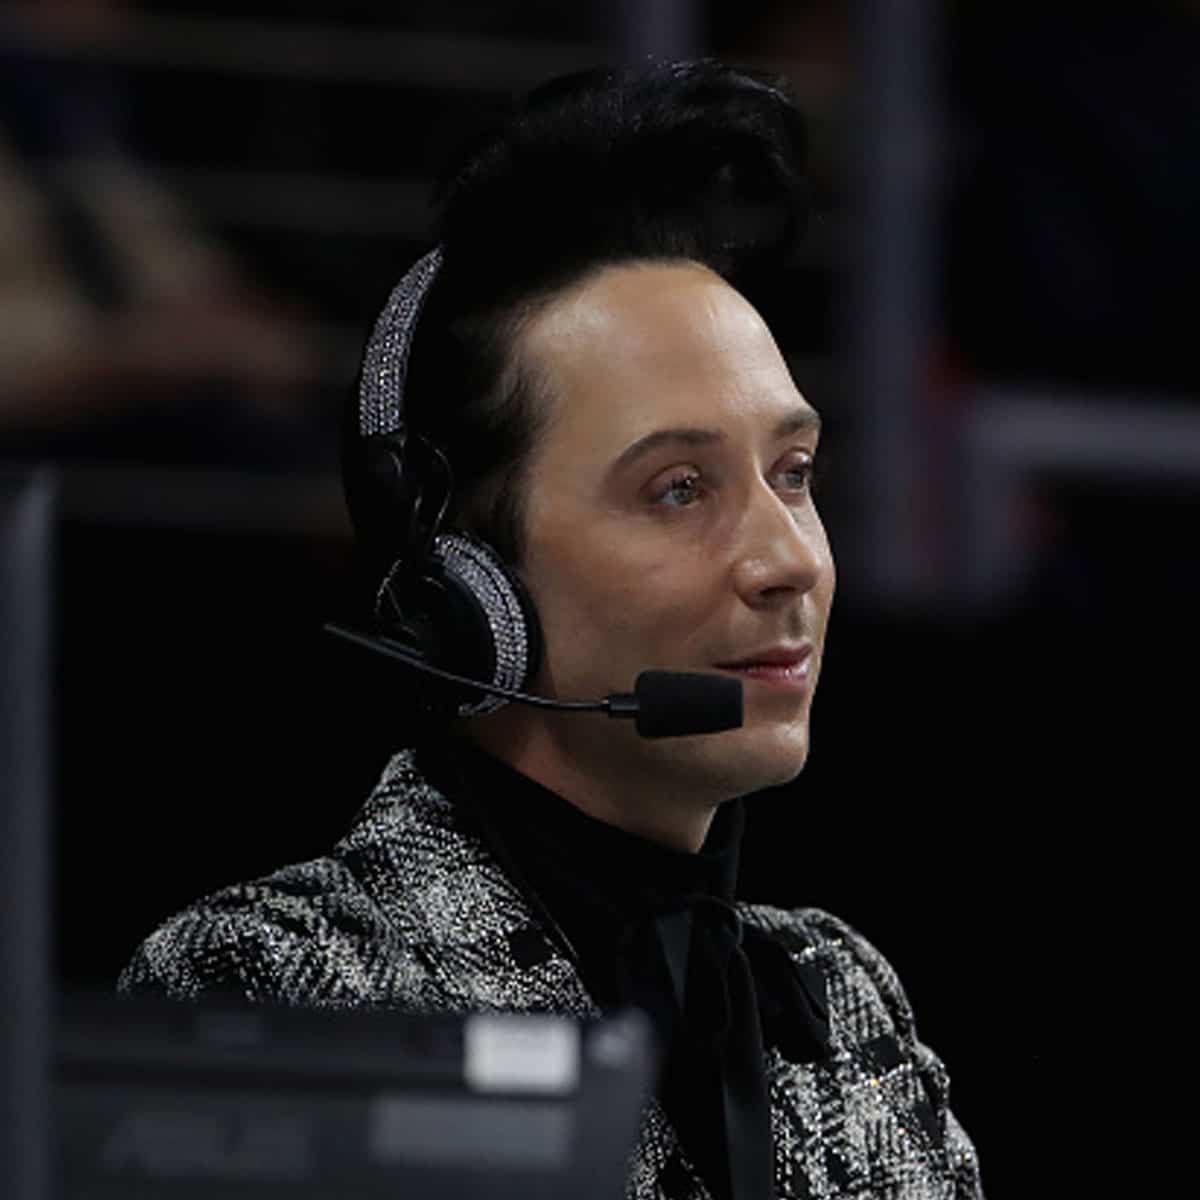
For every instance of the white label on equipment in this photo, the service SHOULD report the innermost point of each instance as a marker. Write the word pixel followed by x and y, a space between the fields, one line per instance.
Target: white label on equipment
pixel 519 1053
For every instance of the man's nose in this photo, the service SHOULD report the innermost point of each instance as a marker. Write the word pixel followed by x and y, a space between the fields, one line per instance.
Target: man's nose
pixel 783 551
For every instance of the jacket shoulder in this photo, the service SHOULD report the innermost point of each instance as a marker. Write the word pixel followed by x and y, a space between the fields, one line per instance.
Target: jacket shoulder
pixel 308 933
pixel 870 1010
pixel 329 931
pixel 864 989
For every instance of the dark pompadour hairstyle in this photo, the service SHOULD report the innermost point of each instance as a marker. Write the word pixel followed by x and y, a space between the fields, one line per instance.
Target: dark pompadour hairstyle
pixel 680 161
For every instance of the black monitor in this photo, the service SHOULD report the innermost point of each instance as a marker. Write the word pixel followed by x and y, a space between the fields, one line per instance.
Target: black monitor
pixel 186 1102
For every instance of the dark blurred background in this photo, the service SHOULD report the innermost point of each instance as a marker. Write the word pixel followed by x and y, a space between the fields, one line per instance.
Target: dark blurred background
pixel 202 207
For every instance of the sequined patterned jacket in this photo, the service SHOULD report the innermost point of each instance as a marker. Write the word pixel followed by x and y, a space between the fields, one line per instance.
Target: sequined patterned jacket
pixel 411 910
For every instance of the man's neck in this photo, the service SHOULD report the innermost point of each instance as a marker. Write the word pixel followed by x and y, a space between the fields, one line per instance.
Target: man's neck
pixel 647 807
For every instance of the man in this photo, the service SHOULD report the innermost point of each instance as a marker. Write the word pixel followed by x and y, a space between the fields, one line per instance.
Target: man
pixel 578 453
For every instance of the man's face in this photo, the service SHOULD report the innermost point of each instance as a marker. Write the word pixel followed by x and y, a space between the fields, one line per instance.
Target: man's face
pixel 669 522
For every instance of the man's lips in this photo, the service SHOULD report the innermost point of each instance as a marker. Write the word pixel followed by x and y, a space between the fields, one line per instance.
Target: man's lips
pixel 771 656
pixel 783 668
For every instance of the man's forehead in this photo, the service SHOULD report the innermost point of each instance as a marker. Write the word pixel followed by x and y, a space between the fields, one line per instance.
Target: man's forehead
pixel 661 345
pixel 647 309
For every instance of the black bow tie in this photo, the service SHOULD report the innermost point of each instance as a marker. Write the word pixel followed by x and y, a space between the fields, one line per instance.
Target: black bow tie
pixel 717 990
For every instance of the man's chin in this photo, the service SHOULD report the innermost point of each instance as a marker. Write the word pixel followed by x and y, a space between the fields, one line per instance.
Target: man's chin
pixel 750 760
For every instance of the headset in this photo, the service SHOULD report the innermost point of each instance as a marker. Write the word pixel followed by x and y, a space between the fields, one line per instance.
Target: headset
pixel 448 597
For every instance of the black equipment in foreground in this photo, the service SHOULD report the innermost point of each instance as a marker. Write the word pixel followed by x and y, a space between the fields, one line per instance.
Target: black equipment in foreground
pixel 662 704
pixel 28 503
pixel 163 1100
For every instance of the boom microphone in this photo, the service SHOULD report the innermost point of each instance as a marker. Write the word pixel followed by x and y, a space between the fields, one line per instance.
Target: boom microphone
pixel 662 703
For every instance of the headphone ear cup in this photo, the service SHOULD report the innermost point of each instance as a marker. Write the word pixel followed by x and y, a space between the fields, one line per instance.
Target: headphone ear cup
pixel 467 613
pixel 490 615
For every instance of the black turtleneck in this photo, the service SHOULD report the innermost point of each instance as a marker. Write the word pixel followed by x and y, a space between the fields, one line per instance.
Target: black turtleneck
pixel 655 928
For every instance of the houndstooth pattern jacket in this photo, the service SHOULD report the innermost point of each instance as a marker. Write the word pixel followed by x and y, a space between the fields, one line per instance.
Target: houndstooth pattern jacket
pixel 412 911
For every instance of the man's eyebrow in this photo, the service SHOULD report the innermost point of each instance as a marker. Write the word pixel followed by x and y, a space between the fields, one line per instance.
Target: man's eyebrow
pixel 799 420
pixel 665 437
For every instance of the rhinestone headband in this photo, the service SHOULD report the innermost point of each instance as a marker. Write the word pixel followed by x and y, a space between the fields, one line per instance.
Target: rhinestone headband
pixel 385 363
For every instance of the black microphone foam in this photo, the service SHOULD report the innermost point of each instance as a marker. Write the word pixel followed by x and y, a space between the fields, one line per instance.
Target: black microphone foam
pixel 674 703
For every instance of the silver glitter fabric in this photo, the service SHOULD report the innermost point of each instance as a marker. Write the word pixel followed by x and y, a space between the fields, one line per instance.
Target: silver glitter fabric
pixel 478 567
pixel 385 362
pixel 412 911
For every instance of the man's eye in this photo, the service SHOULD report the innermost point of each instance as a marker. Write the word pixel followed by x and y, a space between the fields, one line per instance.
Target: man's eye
pixel 680 491
pixel 795 473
